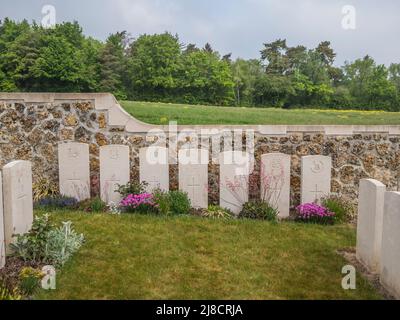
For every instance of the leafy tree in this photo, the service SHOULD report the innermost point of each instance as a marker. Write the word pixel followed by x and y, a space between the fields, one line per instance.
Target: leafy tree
pixel 113 65
pixel 159 68
pixel 274 54
pixel 369 84
pixel 246 73
pixel 153 63
pixel 394 75
pixel 272 90
pixel 207 48
pixel 190 48
pixel 326 52
pixel 205 78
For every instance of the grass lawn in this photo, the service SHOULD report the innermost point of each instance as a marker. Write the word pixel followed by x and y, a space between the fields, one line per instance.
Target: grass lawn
pixel 149 257
pixel 161 113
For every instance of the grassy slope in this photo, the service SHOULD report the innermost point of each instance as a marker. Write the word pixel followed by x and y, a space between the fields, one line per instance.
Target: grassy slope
pixel 145 257
pixel 161 113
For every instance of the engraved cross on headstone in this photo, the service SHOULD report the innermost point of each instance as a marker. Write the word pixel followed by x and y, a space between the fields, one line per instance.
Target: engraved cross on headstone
pixel 316 192
pixel 193 186
pixel 74 180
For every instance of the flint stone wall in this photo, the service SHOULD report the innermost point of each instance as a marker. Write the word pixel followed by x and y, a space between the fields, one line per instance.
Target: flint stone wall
pixel 31 126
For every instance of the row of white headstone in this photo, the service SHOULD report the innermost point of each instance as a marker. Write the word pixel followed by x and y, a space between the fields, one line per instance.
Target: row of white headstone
pixel 74 175
pixel 16 205
pixel 378 233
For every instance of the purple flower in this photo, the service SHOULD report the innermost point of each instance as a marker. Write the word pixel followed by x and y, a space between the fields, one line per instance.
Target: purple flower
pixel 314 212
pixel 133 201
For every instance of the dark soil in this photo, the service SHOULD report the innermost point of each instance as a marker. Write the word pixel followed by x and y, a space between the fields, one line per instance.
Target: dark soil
pixel 9 275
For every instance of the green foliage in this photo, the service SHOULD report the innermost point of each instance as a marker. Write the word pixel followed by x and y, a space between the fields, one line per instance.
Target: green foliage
pixel 259 210
pixel 132 187
pixel 95 205
pixel 179 202
pixel 163 201
pixel 45 243
pixel 32 245
pixel 216 212
pixel 6 294
pixel 113 61
pixel 159 68
pixel 343 208
pixel 29 280
pixel 44 188
pixel 171 202
pixel 62 243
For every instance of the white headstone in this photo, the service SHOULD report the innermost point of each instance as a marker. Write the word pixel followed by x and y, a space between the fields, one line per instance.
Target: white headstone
pixel 114 171
pixel 390 251
pixel 154 168
pixel 275 181
pixel 74 171
pixel 315 178
pixel 2 239
pixel 369 222
pixel 234 180
pixel 193 175
pixel 18 203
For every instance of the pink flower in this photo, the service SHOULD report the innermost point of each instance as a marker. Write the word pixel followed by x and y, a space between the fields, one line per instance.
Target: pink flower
pixel 135 200
pixel 309 211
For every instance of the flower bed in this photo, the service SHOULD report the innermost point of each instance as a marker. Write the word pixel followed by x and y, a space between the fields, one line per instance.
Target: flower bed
pixel 314 213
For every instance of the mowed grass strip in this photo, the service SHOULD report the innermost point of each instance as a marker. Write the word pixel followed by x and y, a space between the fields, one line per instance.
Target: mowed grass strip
pixel 162 113
pixel 149 257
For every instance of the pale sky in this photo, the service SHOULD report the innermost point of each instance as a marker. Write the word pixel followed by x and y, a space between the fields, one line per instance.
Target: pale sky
pixel 237 26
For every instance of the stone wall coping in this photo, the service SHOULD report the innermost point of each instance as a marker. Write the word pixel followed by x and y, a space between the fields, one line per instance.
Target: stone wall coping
pixel 118 117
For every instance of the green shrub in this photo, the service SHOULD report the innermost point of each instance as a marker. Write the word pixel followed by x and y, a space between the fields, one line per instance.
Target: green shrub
pixel 172 202
pixel 132 188
pixel 93 205
pixel 45 243
pixel 29 280
pixel 32 245
pixel 62 243
pixel 179 202
pixel 259 210
pixel 217 212
pixel 162 201
pixel 342 207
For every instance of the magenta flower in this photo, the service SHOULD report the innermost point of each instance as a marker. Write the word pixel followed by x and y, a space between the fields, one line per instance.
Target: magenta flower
pixel 312 212
pixel 133 201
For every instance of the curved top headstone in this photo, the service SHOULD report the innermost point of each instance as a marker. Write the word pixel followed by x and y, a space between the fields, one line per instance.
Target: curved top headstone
pixel 18 203
pixel 74 171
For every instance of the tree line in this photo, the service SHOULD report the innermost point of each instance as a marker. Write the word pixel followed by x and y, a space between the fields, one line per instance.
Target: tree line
pixel 160 68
